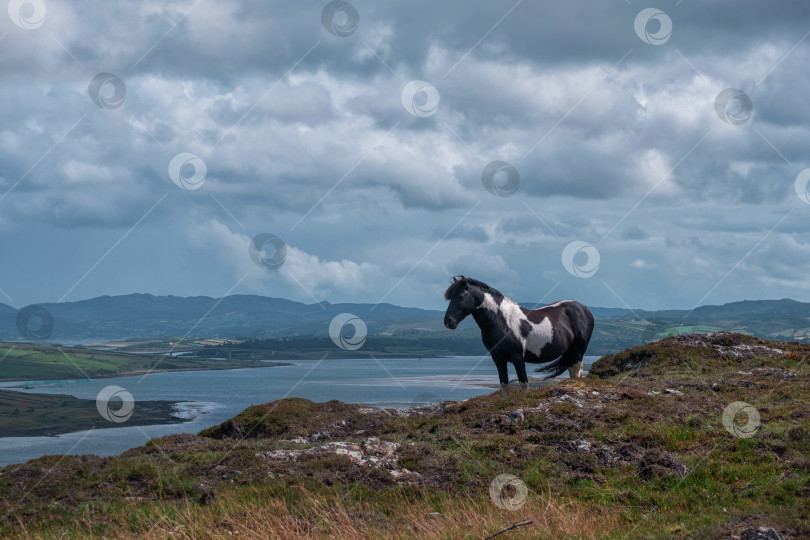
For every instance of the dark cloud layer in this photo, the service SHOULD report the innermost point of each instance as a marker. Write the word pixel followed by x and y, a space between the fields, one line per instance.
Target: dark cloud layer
pixel 304 134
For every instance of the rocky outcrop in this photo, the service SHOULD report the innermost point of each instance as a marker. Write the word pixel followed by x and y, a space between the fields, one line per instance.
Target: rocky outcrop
pixel 371 452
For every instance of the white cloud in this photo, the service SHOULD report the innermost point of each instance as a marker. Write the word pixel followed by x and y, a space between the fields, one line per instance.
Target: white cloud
pixel 654 169
pixel 329 277
pixel 641 264
pixel 304 274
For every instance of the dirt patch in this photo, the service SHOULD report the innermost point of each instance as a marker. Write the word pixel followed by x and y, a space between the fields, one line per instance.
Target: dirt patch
pixel 651 462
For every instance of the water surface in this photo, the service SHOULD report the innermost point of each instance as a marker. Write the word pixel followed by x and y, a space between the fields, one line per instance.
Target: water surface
pixel 211 397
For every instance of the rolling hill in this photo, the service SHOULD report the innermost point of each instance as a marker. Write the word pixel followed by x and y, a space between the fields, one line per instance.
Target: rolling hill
pixel 144 316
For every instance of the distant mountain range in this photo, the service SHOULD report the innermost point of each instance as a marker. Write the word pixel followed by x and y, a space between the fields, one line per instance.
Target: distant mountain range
pixel 148 316
pixel 138 316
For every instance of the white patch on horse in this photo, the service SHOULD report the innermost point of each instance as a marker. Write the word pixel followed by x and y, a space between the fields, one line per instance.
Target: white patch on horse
pixel 489 303
pixel 555 304
pixel 540 334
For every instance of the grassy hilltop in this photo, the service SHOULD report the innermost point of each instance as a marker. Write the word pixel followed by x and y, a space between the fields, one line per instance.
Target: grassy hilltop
pixel 636 449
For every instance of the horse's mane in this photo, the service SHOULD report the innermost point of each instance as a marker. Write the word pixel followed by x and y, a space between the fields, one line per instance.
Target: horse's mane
pixel 459 284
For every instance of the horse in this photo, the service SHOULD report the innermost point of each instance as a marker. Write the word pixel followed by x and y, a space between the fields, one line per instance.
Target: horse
pixel 556 335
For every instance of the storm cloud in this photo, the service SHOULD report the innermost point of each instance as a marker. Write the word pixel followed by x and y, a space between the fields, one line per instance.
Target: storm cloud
pixel 377 183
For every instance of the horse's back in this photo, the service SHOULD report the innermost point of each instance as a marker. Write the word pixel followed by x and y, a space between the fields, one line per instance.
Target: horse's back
pixel 578 307
pixel 579 317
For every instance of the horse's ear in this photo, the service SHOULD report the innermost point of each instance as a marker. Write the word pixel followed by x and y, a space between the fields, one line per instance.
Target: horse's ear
pixel 455 279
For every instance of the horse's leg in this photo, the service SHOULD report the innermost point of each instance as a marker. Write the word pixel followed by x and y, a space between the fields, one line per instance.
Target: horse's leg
pixel 503 375
pixel 573 357
pixel 520 368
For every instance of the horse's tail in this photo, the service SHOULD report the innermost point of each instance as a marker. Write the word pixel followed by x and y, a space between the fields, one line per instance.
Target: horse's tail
pixel 555 368
pixel 583 328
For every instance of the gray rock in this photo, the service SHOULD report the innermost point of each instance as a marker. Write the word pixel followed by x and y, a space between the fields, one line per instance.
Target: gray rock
pixel 775 371
pixel 761 533
pixel 517 415
pixel 297 440
pixel 583 446
pixel 370 453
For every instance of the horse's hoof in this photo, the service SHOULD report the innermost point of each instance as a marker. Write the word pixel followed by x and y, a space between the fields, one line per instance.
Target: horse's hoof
pixel 504 391
pixel 524 386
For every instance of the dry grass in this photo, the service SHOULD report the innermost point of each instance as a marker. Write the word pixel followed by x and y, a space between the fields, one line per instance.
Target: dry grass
pixel 320 517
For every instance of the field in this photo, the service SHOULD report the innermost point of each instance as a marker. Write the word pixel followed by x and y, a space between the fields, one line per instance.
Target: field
pixel 29 362
pixel 641 448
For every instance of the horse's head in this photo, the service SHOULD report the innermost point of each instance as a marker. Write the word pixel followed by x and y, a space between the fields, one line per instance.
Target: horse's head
pixel 464 297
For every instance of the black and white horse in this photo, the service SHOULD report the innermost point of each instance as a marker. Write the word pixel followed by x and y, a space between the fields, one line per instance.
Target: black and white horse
pixel 557 334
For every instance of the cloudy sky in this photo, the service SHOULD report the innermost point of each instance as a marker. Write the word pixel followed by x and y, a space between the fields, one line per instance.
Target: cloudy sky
pixel 144 144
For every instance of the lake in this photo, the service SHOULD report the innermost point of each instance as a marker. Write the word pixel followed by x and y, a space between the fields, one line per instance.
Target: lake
pixel 212 397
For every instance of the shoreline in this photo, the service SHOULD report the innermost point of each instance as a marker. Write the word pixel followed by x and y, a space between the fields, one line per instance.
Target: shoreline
pixel 143 372
pixel 28 414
